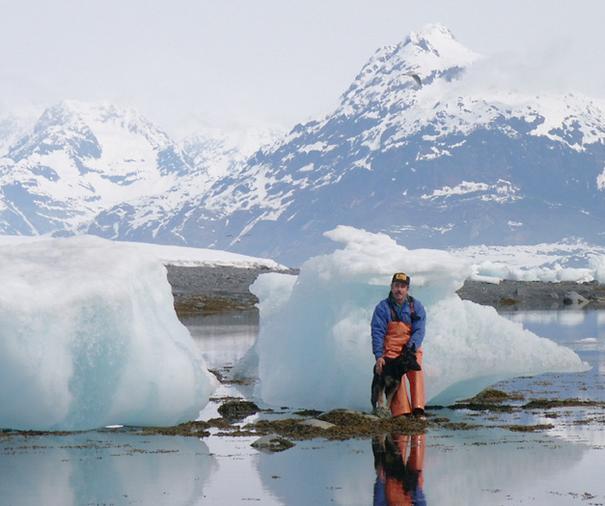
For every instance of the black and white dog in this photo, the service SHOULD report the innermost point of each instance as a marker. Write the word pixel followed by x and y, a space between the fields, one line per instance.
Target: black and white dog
pixel 387 382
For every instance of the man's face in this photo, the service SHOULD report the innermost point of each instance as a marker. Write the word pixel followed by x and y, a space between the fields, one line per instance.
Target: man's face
pixel 399 291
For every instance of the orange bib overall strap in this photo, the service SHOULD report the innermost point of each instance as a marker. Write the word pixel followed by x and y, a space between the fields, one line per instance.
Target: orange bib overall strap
pixel 397 336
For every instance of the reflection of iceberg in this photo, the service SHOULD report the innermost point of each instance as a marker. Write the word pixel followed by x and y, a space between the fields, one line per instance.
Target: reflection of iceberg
pixel 534 317
pixel 105 468
pixel 314 347
pixel 566 317
pixel 572 317
pixel 33 478
pixel 330 473
pixel 224 338
pixel 89 337
pixel 496 472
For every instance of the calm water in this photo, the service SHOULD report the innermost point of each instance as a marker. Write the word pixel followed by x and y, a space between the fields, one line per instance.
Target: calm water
pixel 486 466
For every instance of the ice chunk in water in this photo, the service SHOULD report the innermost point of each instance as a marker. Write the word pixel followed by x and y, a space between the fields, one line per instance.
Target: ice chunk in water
pixel 314 346
pixel 89 337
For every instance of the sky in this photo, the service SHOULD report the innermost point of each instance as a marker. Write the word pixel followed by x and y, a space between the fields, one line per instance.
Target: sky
pixel 268 63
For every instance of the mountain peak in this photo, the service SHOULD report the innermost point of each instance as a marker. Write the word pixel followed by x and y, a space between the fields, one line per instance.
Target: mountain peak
pixel 94 112
pixel 433 53
pixel 433 33
pixel 434 47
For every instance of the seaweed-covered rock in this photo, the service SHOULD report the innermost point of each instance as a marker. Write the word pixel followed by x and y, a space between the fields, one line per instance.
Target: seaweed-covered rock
pixel 237 409
pixel 346 417
pixel 272 443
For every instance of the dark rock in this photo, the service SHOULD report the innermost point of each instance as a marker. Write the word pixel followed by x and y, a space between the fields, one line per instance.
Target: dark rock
pixel 237 410
pixel 574 298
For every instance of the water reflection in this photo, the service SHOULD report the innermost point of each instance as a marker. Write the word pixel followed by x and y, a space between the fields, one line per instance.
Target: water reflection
pixel 225 338
pixel 490 466
pixel 103 468
pixel 563 324
pixel 487 467
pixel 568 317
pixel 399 465
pixel 581 330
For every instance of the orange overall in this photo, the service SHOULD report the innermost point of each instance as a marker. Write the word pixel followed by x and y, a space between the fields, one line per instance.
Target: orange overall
pixel 397 336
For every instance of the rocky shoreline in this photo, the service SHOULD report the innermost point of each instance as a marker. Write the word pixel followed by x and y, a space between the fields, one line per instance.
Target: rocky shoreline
pixel 280 430
pixel 535 295
pixel 213 290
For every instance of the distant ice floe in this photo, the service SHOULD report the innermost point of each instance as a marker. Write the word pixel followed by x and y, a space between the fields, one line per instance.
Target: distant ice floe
pixel 314 347
pixel 89 337
pixel 564 261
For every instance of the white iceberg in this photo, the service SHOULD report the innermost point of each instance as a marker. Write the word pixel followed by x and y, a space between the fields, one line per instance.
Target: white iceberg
pixel 314 346
pixel 89 337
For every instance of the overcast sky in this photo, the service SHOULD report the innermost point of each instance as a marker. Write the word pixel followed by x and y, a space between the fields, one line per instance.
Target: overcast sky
pixel 256 62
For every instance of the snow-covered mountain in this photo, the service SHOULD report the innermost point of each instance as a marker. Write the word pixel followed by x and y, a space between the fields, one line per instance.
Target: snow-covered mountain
pixel 80 159
pixel 12 128
pixel 449 163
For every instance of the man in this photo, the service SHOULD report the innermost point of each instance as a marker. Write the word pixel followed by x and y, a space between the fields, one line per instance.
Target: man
pixel 399 322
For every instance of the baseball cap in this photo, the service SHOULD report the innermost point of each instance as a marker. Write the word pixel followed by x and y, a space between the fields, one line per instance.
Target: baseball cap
pixel 400 277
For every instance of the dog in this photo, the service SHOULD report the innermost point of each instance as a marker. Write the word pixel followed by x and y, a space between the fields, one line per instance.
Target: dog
pixel 386 383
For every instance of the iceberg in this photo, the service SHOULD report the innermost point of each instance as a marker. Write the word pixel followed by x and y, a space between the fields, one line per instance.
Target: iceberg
pixel 314 346
pixel 89 338
pixel 555 262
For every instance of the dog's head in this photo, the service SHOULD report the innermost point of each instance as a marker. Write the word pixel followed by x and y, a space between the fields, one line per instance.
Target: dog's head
pixel 409 361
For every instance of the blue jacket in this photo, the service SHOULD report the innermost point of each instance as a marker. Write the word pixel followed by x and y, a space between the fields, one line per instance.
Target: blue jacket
pixel 382 317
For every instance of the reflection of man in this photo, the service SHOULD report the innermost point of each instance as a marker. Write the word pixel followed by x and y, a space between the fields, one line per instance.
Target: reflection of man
pixel 399 476
pixel 398 322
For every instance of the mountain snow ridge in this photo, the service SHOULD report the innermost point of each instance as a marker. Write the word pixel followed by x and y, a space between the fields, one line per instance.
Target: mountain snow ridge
pixel 445 163
pixel 451 163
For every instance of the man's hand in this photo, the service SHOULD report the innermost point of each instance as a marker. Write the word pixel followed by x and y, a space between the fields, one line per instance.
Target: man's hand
pixel 379 365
